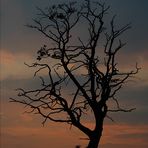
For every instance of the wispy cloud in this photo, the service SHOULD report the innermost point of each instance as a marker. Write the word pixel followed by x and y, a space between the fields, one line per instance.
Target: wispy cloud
pixel 124 134
pixel 12 65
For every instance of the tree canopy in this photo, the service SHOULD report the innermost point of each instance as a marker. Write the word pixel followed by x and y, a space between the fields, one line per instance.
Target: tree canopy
pixel 80 73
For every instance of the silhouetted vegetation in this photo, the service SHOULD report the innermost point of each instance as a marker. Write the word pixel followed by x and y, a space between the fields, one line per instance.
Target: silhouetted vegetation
pixel 77 146
pixel 83 65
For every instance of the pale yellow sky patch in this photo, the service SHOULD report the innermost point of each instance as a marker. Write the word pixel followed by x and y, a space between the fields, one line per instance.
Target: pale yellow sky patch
pixel 12 65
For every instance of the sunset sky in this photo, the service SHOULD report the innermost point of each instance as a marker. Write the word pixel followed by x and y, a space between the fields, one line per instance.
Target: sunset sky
pixel 18 44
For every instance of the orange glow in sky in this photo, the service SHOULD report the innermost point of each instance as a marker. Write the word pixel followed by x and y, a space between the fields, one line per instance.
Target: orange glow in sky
pixel 19 44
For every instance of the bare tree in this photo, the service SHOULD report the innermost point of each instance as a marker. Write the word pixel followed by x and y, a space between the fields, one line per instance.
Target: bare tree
pixel 75 62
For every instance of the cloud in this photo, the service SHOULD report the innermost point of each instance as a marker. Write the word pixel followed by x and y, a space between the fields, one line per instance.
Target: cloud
pixel 38 137
pixel 19 45
pixel 12 65
pixel 123 135
pixel 54 134
pixel 26 130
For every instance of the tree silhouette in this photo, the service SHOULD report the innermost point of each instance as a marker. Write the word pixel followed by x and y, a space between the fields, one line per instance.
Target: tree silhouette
pixel 78 65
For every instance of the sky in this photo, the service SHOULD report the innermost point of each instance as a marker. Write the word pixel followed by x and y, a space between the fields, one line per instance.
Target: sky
pixel 19 44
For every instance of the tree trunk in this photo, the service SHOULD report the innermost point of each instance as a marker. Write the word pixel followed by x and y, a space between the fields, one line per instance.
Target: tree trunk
pixel 95 139
pixel 96 134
